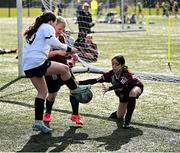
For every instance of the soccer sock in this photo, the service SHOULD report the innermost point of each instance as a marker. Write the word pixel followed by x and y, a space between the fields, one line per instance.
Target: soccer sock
pixel 130 109
pixel 49 105
pixel 74 105
pixel 39 108
pixel 71 84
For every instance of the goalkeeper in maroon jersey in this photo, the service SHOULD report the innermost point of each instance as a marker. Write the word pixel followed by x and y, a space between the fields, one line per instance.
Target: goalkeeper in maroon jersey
pixel 54 82
pixel 125 85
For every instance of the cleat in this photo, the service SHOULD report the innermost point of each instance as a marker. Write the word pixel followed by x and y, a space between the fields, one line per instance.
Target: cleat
pixel 126 125
pixel 113 115
pixel 76 118
pixel 47 117
pixel 39 126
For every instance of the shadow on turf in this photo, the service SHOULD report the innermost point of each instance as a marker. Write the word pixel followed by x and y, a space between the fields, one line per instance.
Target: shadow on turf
pixel 46 142
pixel 9 83
pixel 15 93
pixel 94 116
pixel 118 137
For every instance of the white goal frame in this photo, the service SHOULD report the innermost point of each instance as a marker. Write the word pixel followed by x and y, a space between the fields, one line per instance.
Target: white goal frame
pixel 19 36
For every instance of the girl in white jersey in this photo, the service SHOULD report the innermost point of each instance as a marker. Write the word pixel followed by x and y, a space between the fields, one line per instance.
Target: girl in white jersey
pixel 40 37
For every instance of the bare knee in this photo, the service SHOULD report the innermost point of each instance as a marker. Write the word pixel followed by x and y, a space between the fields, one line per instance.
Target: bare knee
pixel 66 68
pixel 135 92
pixel 66 75
pixel 42 94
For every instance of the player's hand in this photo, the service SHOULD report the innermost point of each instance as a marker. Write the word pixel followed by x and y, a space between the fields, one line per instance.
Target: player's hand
pixel 73 50
pixel 75 57
pixel 104 88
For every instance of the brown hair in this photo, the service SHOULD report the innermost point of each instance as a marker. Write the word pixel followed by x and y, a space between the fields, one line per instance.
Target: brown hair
pixel 44 18
pixel 120 59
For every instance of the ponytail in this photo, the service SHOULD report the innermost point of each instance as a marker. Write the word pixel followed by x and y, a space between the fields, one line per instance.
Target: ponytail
pixel 44 18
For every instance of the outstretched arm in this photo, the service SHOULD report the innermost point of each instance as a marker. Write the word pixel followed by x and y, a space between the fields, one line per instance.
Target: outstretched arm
pixel 113 87
pixel 116 86
pixel 92 81
pixel 57 52
pixel 106 77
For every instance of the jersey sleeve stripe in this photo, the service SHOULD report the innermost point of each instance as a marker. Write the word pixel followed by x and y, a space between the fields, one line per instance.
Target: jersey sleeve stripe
pixel 48 37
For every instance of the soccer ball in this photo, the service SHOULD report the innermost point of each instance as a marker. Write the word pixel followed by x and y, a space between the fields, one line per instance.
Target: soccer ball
pixel 83 94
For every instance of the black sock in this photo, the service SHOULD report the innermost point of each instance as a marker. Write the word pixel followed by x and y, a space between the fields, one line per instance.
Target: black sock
pixel 71 84
pixel 130 109
pixel 74 105
pixel 49 105
pixel 39 108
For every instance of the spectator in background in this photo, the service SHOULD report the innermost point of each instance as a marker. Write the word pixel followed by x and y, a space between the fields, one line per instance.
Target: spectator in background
pixel 94 8
pixel 165 7
pixel 109 17
pixel 69 40
pixel 100 9
pixel 85 20
pixel 125 12
pixel 157 8
pixel 175 8
pixel 133 19
pixel 88 50
pixel 85 24
pixel 140 13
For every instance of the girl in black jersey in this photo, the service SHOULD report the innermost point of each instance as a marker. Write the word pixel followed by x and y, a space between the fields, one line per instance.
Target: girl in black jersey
pixel 54 82
pixel 125 85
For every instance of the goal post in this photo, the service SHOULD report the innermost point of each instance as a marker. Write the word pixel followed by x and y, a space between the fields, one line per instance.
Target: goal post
pixel 19 36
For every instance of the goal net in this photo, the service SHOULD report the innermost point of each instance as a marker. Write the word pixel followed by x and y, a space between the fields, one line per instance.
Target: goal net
pixel 131 41
pixel 114 15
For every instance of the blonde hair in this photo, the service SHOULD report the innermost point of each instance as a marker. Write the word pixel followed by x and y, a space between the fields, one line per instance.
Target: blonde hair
pixel 89 35
pixel 60 19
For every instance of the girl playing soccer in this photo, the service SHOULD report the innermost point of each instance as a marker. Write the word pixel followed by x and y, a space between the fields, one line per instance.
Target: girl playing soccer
pixel 125 85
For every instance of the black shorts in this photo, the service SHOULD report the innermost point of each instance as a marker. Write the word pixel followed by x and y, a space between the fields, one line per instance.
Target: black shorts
pixel 53 84
pixel 124 95
pixel 38 71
